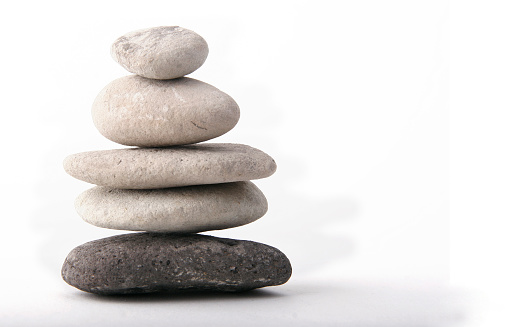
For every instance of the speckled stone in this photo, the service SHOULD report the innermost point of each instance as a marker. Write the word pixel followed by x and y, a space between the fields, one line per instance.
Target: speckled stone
pixel 181 209
pixel 163 52
pixel 150 262
pixel 141 168
pixel 137 111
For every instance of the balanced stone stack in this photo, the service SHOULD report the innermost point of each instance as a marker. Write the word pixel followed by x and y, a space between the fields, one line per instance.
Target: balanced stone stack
pixel 166 186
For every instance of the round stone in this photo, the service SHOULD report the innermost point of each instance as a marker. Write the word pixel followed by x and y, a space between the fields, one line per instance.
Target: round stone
pixel 142 168
pixel 133 110
pixel 164 52
pixel 182 209
pixel 151 262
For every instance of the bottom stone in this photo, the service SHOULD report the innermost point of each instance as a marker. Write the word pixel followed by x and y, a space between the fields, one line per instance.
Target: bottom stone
pixel 156 262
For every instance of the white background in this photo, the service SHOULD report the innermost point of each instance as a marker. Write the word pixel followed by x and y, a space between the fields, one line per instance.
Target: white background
pixel 397 126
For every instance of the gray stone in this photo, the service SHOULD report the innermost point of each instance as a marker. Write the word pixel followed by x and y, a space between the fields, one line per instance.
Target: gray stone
pixel 163 52
pixel 150 262
pixel 133 110
pixel 140 168
pixel 181 209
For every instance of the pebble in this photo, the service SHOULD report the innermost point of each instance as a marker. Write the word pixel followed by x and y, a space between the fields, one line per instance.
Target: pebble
pixel 137 111
pixel 164 52
pixel 154 262
pixel 167 187
pixel 182 209
pixel 141 168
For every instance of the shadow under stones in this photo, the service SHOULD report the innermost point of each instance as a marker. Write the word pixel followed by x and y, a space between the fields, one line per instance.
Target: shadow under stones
pixel 186 296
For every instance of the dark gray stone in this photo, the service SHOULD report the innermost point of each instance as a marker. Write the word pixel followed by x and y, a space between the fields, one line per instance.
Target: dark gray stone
pixel 157 262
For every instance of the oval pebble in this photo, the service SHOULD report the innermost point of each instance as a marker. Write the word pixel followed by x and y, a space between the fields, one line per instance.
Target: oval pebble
pixel 164 52
pixel 152 262
pixel 133 110
pixel 182 209
pixel 141 168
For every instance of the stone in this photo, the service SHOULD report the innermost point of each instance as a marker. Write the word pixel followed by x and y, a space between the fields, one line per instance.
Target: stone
pixel 141 168
pixel 155 262
pixel 164 52
pixel 182 209
pixel 134 110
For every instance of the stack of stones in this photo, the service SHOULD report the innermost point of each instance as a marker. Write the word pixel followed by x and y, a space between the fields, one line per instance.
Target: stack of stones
pixel 166 186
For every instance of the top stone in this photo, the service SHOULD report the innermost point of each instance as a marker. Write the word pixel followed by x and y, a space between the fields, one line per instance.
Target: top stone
pixel 164 52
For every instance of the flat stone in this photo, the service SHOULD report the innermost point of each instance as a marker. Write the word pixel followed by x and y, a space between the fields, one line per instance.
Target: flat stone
pixel 181 209
pixel 164 52
pixel 133 110
pixel 150 262
pixel 141 168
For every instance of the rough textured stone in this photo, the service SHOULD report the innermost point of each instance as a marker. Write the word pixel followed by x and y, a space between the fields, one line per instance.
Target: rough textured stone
pixel 149 262
pixel 139 168
pixel 133 110
pixel 163 52
pixel 181 209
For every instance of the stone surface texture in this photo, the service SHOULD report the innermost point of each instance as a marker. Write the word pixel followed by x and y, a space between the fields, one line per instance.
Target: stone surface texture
pixel 164 52
pixel 154 262
pixel 134 110
pixel 141 168
pixel 181 209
